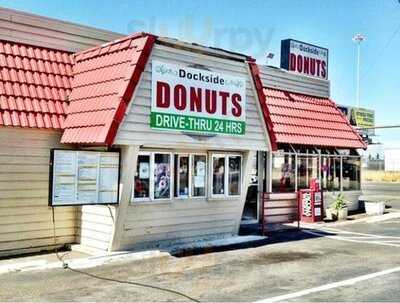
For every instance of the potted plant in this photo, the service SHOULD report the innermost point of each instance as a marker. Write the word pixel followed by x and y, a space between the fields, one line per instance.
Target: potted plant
pixel 338 209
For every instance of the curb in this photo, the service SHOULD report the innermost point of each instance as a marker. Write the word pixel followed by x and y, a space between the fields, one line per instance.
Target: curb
pixel 367 219
pixel 80 263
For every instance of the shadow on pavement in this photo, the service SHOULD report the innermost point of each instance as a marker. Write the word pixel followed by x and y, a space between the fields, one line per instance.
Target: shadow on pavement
pixel 273 237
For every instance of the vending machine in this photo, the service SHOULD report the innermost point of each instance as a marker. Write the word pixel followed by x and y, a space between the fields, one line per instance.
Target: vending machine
pixel 311 203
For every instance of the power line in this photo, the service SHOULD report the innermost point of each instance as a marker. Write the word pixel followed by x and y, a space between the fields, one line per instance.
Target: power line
pixel 396 31
pixel 380 127
pixel 134 284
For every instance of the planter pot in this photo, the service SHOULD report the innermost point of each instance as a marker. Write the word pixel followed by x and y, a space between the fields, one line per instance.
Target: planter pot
pixel 330 214
pixel 374 208
pixel 342 213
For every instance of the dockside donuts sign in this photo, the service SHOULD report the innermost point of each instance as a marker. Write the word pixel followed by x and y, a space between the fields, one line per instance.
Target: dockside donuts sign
pixel 197 100
pixel 304 58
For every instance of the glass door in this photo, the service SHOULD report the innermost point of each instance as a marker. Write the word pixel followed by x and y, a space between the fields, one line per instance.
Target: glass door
pixel 251 207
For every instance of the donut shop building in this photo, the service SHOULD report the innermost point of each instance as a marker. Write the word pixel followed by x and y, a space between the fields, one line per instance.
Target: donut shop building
pixel 157 141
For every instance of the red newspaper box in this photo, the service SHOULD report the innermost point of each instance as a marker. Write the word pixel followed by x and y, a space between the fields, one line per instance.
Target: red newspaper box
pixel 311 205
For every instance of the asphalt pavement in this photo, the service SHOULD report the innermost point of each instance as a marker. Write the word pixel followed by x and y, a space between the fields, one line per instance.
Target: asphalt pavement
pixel 388 192
pixel 356 262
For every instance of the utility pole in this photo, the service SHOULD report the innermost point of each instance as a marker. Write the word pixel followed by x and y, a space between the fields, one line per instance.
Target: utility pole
pixel 358 38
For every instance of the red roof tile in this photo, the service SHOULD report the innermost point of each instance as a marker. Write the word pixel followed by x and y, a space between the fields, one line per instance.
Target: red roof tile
pixel 308 120
pixel 265 111
pixel 104 80
pixel 293 118
pixel 29 96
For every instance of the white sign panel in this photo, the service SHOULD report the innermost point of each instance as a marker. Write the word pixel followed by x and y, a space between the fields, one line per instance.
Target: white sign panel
pixel 197 100
pixel 304 58
pixel 84 177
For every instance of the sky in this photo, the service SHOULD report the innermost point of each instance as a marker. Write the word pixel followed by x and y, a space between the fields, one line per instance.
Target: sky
pixel 257 27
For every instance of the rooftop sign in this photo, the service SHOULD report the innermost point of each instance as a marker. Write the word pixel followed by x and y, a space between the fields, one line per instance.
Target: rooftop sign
pixel 305 59
pixel 197 100
pixel 361 118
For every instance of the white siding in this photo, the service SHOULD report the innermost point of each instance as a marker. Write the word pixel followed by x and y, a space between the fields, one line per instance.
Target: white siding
pixel 135 129
pixel 273 77
pixel 25 218
pixel 37 30
pixel 95 226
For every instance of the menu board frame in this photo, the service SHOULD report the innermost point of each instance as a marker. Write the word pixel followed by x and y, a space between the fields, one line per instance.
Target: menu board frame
pixel 52 178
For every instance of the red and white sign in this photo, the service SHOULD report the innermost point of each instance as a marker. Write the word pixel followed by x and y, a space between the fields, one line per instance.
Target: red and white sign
pixel 197 100
pixel 304 58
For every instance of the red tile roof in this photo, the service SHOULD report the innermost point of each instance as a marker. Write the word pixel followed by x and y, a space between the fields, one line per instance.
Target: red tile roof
pixel 105 78
pixel 261 97
pixel 34 85
pixel 307 120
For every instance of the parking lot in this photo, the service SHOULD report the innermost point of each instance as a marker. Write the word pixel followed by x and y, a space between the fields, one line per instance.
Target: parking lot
pixel 354 262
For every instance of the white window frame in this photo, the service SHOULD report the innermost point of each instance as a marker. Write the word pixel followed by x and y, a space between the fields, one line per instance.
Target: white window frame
pixel 191 160
pixel 217 155
pixel 179 156
pixel 241 173
pixel 226 157
pixel 151 177
pixel 171 168
pixel 151 197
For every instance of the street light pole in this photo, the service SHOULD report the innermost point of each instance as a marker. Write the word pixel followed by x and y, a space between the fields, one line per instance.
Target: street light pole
pixel 358 38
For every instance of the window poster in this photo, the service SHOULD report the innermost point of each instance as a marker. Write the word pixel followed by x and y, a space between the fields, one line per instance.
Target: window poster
pixel 201 168
pixel 162 176
pixel 199 181
pixel 200 173
pixel 84 177
pixel 144 170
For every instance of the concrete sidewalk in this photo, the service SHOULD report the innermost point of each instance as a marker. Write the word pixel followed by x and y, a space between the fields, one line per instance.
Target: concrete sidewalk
pixel 359 218
pixel 79 259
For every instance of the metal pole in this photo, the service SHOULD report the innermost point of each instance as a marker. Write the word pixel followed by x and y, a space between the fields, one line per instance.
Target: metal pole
pixel 358 73
pixel 358 38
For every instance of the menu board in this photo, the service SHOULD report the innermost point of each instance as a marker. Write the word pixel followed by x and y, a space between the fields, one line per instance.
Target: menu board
pixel 84 177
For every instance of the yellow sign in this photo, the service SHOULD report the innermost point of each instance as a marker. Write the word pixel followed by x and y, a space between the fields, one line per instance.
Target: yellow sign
pixel 363 117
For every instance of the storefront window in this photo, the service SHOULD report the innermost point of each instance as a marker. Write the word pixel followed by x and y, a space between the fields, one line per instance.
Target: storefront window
pixel 218 175
pixel 182 171
pixel 302 172
pixel 283 173
pixel 199 169
pixel 337 170
pixel 330 173
pixel 307 169
pixel 162 176
pixel 351 173
pixel 142 177
pixel 234 175
pixel 226 177
pixel 313 168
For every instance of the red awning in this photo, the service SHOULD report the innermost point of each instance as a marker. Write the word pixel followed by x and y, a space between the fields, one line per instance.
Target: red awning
pixel 105 78
pixel 34 85
pixel 307 120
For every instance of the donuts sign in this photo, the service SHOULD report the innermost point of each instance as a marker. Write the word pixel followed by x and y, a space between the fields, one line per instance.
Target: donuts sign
pixel 197 100
pixel 304 58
